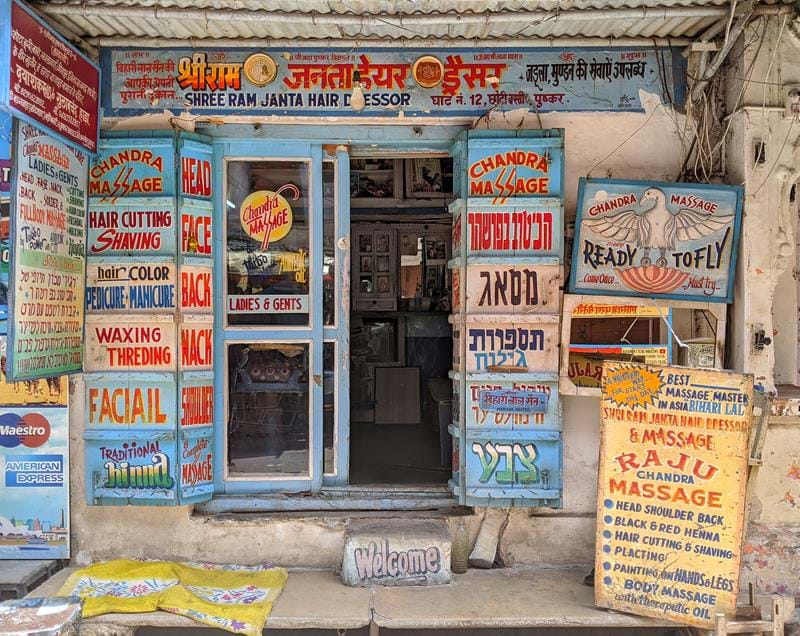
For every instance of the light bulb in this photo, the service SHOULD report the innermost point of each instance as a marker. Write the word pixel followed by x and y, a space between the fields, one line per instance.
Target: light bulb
pixel 357 102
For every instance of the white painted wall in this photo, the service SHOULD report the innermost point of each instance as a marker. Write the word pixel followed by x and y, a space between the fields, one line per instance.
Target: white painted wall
pixel 641 146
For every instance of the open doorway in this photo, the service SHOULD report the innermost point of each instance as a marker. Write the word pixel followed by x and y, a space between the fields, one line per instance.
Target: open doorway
pixel 401 343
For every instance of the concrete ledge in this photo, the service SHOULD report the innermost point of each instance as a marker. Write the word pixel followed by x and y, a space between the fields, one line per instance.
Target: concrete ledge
pixel 514 597
pixel 312 599
pixel 317 599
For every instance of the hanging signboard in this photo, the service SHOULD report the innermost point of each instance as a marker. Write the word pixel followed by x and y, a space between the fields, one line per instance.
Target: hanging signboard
pixel 661 240
pixel 673 468
pixel 424 82
pixel 49 83
pixel 48 231
pixel 139 287
pixel 529 288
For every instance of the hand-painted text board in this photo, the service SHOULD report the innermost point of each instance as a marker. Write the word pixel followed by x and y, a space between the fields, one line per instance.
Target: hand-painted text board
pixel 671 493
pixel 528 288
pixel 661 240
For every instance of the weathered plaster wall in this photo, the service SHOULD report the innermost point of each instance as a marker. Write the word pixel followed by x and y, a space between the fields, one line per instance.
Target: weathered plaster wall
pixel 625 145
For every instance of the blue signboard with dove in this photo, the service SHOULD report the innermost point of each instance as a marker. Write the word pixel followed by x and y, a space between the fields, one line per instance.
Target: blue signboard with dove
pixel 660 240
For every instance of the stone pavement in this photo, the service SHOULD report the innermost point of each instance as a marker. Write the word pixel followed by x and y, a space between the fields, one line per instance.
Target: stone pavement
pixel 317 599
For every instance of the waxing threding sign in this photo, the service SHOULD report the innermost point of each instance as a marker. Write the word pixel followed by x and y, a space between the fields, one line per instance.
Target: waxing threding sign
pixel 670 506
pixel 139 343
pixel 663 240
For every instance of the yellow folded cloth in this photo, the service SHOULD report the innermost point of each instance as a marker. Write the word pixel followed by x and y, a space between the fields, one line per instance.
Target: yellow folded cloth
pixel 236 598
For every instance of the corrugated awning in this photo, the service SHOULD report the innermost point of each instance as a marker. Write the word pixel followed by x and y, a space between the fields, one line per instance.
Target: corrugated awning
pixel 412 22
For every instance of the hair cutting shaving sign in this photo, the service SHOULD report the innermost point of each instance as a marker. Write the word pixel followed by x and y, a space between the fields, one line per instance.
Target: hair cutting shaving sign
pixel 139 287
pixel 132 228
pixel 48 229
pixel 135 169
pixel 513 289
pixel 673 467
pixel 140 402
pixel 196 285
pixel 514 230
pixel 196 237
pixel 50 83
pixel 34 480
pixel 505 347
pixel 667 240
pixel 266 216
pixel 197 344
pixel 135 344
pixel 417 82
pixel 522 404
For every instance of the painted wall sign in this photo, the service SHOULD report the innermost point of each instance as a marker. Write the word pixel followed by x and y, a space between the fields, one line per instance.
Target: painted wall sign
pixel 48 230
pixel 197 462
pixel 267 304
pixel 514 230
pixel 130 168
pixel 485 414
pixel 140 402
pixel 616 310
pixel 525 167
pixel 46 392
pixel 670 506
pixel 139 287
pixel 528 288
pixel 519 347
pixel 144 227
pixel 196 286
pixel 586 361
pixel 196 402
pixel 135 344
pixel 416 82
pixel 34 480
pixel 196 232
pixel 50 83
pixel 514 401
pixel 137 469
pixel 663 240
pixel 501 468
pixel 196 171
pixel 197 344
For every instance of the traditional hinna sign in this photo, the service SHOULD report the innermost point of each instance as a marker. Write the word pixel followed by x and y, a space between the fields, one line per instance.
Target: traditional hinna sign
pixel 663 240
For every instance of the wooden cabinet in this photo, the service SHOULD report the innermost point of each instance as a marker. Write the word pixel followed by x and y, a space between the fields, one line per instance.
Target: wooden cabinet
pixel 374 269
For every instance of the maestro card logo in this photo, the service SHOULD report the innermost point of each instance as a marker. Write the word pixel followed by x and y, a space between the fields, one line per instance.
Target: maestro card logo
pixel 31 430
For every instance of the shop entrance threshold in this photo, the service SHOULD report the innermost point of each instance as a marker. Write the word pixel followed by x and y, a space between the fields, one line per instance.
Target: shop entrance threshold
pixel 510 598
pixel 339 498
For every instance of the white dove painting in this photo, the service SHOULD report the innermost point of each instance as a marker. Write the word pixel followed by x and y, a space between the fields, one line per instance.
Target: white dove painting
pixel 674 240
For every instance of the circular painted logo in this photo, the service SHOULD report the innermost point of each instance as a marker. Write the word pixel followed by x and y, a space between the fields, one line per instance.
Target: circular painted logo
pixel 260 69
pixel 427 71
pixel 266 216
pixel 31 430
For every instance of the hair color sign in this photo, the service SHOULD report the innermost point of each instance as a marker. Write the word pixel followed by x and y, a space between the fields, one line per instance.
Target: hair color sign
pixel 48 263
pixel 139 287
pixel 671 490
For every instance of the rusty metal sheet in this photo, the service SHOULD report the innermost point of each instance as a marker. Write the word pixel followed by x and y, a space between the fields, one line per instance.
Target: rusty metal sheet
pixel 671 494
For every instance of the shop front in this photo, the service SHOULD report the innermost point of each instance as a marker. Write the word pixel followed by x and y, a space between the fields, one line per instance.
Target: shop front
pixel 353 307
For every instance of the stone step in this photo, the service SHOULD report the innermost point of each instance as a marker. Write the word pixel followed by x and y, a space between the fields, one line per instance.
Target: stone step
pixel 396 552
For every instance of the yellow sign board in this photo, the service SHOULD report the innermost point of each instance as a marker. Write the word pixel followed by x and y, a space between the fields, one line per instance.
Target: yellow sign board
pixel 670 507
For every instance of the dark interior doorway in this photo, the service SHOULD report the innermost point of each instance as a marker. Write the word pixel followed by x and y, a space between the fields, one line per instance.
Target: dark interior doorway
pixel 400 339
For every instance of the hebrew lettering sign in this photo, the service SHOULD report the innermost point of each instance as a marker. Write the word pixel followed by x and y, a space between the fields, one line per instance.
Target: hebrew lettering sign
pixel 670 506
pixel 528 288
pixel 512 347
pixel 663 240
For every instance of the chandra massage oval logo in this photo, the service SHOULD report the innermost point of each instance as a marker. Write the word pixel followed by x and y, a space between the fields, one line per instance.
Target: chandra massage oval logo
pixel 31 430
pixel 266 216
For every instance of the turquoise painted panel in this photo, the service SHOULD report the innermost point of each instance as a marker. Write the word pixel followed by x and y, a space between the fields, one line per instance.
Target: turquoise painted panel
pixel 526 470
pixel 134 402
pixel 487 417
pixel 133 168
